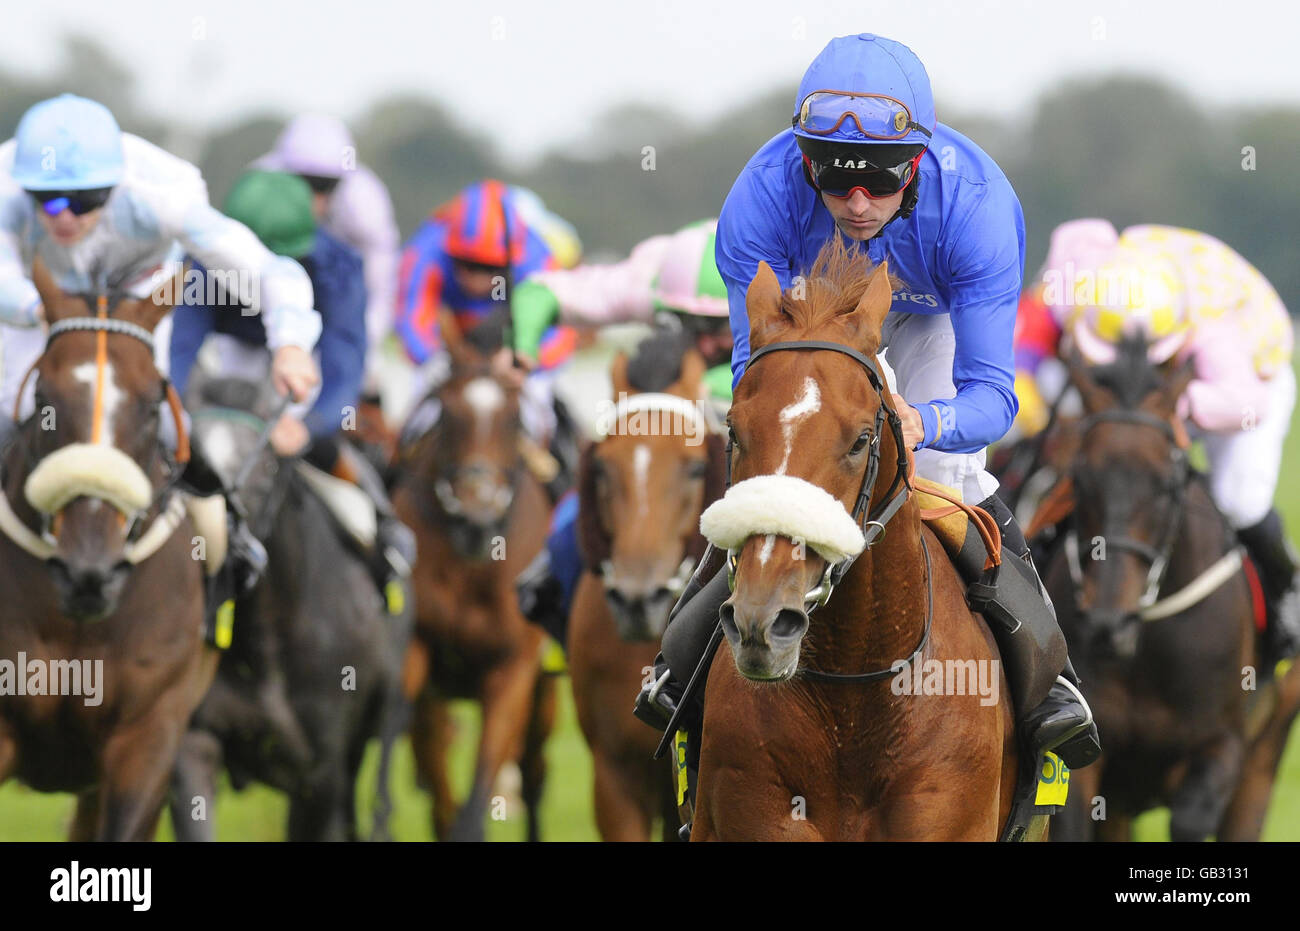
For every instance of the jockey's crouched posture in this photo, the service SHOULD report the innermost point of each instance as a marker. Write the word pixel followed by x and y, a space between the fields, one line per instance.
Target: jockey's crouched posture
pixel 1196 299
pixel 463 259
pixel 107 210
pixel 277 207
pixel 867 160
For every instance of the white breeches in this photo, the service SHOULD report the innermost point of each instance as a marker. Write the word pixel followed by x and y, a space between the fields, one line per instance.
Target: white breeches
pixel 918 358
pixel 1244 466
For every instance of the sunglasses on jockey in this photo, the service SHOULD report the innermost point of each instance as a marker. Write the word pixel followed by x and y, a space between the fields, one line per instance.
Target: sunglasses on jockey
pixel 321 184
pixel 79 202
pixel 837 180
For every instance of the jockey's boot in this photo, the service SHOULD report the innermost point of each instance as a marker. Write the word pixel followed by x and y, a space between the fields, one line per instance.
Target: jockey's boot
pixel 690 626
pixel 1030 641
pixel 245 554
pixel 1268 546
pixel 541 596
pixel 393 556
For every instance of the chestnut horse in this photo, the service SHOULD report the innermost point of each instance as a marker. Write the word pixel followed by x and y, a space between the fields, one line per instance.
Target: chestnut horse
pixel 807 734
pixel 641 494
pixel 1156 604
pixel 479 518
pixel 97 569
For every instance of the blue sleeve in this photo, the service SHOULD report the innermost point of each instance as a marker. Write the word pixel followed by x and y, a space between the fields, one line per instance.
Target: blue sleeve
pixel 751 229
pixel 985 265
pixel 191 324
pixel 342 345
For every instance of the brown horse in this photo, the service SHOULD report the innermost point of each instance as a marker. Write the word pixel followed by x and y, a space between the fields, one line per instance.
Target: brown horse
pixel 97 568
pixel 479 517
pixel 810 730
pixel 1154 599
pixel 641 494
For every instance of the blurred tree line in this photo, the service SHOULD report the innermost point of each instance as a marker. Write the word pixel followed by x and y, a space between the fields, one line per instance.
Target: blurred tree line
pixel 1128 148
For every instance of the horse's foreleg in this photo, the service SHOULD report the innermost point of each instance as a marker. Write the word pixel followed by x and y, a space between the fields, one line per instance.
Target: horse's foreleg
pixel 194 787
pixel 1244 819
pixel 8 752
pixel 533 762
pixel 620 810
pixel 507 696
pixel 1201 799
pixel 430 737
pixel 137 766
pixel 85 818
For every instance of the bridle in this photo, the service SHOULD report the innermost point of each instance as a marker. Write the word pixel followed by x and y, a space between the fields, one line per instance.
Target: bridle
pixel 445 475
pixel 1156 557
pixel 871 521
pixel 104 325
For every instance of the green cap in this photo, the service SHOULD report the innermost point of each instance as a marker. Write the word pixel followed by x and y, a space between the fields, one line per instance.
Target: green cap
pixel 277 208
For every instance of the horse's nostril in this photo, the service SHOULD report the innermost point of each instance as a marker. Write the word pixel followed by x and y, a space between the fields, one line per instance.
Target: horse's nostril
pixel 788 624
pixel 727 615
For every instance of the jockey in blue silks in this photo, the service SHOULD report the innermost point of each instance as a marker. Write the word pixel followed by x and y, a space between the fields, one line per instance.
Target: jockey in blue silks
pixel 865 159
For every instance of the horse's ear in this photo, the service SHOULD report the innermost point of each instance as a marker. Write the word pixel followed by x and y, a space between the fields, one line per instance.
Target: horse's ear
pixel 148 312
pixel 618 376
pixel 690 381
pixel 762 304
pixel 1178 377
pixel 873 307
pixel 1095 398
pixel 461 353
pixel 52 296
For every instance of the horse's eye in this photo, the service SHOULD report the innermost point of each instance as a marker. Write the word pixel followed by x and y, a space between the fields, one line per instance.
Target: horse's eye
pixel 696 469
pixel 731 434
pixel 861 442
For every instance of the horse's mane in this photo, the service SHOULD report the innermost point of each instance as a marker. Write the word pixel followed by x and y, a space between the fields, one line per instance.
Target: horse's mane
pixel 834 284
pixel 658 360
pixel 1131 377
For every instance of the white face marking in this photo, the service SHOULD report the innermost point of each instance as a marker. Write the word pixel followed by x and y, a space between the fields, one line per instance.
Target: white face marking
pixel 113 395
pixel 808 403
pixel 641 466
pixel 485 396
pixel 765 551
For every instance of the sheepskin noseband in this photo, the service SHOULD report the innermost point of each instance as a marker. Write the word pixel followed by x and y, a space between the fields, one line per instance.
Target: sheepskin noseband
pixel 90 470
pixel 785 506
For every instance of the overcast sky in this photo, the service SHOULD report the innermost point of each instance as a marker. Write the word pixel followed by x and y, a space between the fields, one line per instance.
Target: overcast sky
pixel 537 73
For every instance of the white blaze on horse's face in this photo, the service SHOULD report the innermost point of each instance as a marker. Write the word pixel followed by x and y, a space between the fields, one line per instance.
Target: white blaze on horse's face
pixel 808 403
pixel 641 466
pixel 113 394
pixel 485 397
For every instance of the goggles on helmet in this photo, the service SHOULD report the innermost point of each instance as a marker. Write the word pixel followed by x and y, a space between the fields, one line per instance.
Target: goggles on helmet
pixel 876 116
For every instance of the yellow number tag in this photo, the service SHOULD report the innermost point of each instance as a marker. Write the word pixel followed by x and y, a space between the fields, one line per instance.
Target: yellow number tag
pixel 1053 781
pixel 225 624
pixel 395 597
pixel 679 751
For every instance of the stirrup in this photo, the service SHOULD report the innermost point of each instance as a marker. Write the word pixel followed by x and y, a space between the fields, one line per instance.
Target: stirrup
pixel 654 706
pixel 1080 745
